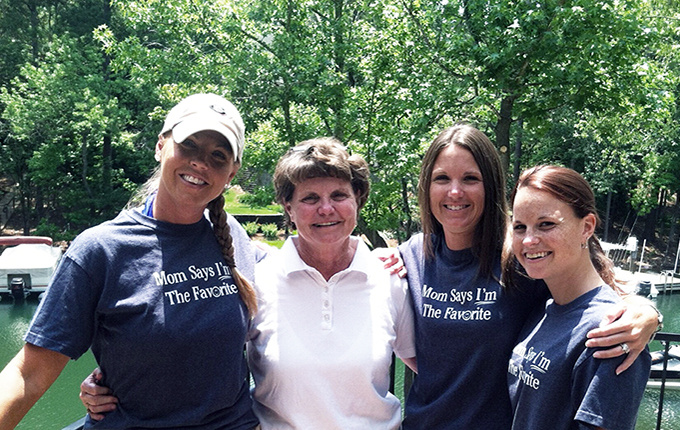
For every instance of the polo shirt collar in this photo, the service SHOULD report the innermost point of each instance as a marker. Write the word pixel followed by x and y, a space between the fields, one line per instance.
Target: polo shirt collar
pixel 361 262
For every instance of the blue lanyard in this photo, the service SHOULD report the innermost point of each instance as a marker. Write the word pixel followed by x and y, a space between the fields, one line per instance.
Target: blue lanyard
pixel 148 205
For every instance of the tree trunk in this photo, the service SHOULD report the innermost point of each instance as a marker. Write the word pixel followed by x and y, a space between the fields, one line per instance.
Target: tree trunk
pixel 671 243
pixel 339 54
pixel 107 149
pixel 39 206
pixel 35 45
pixel 107 152
pixel 373 236
pixel 651 220
pixel 288 124
pixel 503 130
pixel 83 172
pixel 409 225
pixel 606 217
pixel 24 204
pixel 517 162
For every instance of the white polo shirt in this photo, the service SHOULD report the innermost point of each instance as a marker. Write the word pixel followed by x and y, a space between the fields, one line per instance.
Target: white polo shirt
pixel 320 351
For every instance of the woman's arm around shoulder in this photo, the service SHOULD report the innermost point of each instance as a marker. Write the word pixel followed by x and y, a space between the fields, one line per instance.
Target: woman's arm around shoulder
pixel 392 261
pixel 632 323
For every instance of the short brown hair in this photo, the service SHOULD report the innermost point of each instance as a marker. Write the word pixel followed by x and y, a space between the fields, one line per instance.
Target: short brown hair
pixel 320 158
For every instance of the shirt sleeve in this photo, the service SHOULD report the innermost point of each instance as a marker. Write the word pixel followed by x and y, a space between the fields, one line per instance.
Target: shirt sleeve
pixel 603 398
pixel 405 343
pixel 65 319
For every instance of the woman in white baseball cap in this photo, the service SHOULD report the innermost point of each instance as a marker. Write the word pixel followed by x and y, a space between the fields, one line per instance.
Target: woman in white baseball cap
pixel 156 293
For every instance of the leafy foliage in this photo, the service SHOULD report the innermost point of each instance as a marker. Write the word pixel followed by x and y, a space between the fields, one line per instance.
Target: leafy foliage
pixel 591 84
pixel 251 227
pixel 270 231
pixel 262 196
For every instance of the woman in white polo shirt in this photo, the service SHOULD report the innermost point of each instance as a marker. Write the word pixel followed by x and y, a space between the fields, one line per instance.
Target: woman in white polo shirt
pixel 329 315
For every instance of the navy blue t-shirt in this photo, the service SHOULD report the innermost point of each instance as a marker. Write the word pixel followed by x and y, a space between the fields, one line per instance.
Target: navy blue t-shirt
pixel 466 325
pixel 158 306
pixel 557 384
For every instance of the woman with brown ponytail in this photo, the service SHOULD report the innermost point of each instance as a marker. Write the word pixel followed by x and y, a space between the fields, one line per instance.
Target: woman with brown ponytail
pixel 159 294
pixel 554 380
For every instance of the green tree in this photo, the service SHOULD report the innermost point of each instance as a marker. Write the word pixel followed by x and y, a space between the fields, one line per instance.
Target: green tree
pixel 523 59
pixel 590 84
pixel 60 115
pixel 295 69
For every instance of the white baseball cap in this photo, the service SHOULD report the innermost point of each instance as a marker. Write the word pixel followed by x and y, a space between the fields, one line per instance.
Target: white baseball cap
pixel 200 112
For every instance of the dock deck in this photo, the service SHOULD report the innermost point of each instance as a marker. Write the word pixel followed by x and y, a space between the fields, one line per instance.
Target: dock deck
pixel 661 283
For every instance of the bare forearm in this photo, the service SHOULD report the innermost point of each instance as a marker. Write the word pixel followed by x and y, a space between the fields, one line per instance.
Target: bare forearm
pixel 23 382
pixel 17 395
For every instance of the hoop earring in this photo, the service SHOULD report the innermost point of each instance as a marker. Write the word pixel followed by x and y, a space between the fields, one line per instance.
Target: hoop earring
pixel 584 245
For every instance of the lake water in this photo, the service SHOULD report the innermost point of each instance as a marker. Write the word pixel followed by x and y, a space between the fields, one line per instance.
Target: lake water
pixel 61 406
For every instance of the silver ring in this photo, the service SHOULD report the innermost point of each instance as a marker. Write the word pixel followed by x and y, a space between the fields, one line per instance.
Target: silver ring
pixel 624 346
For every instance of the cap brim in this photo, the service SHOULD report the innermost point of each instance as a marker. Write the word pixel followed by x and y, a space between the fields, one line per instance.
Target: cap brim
pixel 186 128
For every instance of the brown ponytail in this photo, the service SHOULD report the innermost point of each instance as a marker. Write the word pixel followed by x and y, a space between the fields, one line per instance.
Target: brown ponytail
pixel 218 217
pixel 603 265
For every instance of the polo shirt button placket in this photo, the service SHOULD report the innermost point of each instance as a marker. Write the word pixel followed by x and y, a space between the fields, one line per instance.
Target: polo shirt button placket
pixel 326 316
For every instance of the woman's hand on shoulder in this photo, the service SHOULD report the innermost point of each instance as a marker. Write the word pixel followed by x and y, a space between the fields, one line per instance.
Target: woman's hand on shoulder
pixel 626 329
pixel 96 398
pixel 392 259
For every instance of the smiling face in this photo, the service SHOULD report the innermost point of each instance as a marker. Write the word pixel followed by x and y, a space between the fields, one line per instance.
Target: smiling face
pixel 457 195
pixel 193 173
pixel 324 211
pixel 547 236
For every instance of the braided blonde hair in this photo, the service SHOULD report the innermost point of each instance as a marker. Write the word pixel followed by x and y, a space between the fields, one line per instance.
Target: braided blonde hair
pixel 221 228
pixel 218 217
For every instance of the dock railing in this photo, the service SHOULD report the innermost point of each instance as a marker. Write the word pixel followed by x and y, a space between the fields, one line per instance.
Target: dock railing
pixel 668 286
pixel 666 339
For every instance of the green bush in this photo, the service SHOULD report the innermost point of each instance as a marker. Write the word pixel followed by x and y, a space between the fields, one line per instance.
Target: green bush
pixel 260 197
pixel 251 228
pixel 270 231
pixel 48 229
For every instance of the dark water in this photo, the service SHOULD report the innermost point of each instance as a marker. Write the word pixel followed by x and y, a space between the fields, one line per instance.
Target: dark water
pixel 61 406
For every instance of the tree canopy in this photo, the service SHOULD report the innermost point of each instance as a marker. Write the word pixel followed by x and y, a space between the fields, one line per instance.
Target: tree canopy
pixel 590 84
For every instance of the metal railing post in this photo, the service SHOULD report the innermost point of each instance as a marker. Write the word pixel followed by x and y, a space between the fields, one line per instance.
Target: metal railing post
pixel 665 339
pixel 666 347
